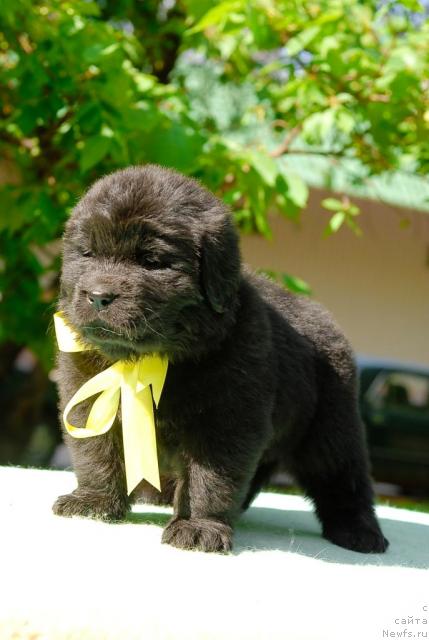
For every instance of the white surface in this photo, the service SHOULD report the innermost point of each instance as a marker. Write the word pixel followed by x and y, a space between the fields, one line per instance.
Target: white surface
pixel 81 579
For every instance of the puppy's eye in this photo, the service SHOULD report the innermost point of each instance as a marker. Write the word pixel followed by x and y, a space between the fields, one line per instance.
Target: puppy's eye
pixel 150 260
pixel 87 253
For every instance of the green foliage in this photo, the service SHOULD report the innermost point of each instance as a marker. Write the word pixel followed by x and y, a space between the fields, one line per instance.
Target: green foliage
pixel 220 90
pixel 344 212
pixel 294 284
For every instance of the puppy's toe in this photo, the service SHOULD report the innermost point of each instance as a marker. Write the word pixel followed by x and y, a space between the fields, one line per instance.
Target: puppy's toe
pixel 91 505
pixel 198 534
pixel 362 538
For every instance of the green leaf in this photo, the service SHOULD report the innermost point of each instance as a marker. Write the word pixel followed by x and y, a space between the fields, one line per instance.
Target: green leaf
pixel 264 165
pixel 332 204
pixel 302 40
pixel 345 120
pixel 174 145
pixel 144 82
pixel 197 8
pixel 216 15
pixel 293 283
pixel 94 52
pixel 404 57
pixel 297 285
pixel 352 224
pixel 297 190
pixel 335 223
pixel 95 149
pixel 262 225
pixel 318 125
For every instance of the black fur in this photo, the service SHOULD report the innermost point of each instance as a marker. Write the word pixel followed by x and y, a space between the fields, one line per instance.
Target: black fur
pixel 259 379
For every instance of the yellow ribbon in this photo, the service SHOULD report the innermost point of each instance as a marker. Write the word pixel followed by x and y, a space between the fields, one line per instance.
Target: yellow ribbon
pixel 131 383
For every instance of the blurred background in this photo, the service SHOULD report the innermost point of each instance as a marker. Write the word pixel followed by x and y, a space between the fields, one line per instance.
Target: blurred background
pixel 309 119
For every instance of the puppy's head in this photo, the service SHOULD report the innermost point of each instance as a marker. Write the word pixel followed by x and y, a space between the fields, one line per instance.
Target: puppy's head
pixel 150 264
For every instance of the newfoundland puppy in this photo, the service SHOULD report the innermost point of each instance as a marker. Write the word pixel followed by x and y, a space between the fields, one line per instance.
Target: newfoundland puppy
pixel 259 379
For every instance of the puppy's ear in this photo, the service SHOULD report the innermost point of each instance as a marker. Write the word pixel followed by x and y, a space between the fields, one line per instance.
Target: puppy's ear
pixel 220 265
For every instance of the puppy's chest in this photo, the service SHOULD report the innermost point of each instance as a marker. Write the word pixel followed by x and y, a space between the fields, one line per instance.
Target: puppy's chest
pixel 186 398
pixel 182 399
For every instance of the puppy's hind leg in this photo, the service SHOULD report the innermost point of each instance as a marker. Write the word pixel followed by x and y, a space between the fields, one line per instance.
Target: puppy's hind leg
pixel 146 494
pixel 259 480
pixel 332 466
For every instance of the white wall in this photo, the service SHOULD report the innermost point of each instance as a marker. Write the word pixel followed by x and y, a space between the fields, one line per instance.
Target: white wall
pixel 377 286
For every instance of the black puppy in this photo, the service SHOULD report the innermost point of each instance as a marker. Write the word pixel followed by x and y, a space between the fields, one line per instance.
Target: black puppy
pixel 258 378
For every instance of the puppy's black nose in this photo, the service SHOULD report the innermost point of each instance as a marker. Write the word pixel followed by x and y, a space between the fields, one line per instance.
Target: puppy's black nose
pixel 100 300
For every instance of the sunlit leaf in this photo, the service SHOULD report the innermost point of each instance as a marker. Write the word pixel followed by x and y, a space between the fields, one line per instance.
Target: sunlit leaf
pixel 335 222
pixel 264 165
pixel 332 204
pixel 297 190
pixel 216 15
pixel 295 284
pixel 94 150
pixel 297 44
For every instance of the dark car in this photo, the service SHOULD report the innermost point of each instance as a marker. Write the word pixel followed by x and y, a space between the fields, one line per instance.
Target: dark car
pixel 394 401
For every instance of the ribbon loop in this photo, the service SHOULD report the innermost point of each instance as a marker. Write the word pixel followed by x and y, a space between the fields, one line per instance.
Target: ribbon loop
pixel 133 385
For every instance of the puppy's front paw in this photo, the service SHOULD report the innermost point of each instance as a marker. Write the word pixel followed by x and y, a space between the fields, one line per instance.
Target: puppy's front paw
pixel 198 534
pixel 90 504
pixel 360 537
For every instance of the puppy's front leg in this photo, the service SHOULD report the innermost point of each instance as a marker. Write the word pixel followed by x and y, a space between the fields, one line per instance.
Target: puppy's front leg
pixel 97 461
pixel 101 491
pixel 210 495
pixel 201 522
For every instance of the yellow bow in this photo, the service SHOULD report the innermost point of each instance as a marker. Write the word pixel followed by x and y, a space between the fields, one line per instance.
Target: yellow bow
pixel 132 384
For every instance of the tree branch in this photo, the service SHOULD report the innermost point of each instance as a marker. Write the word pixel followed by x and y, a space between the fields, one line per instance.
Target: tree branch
pixel 284 147
pixel 308 152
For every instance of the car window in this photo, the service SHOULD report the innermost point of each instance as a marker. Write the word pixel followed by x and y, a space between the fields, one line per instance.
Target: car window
pixel 398 391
